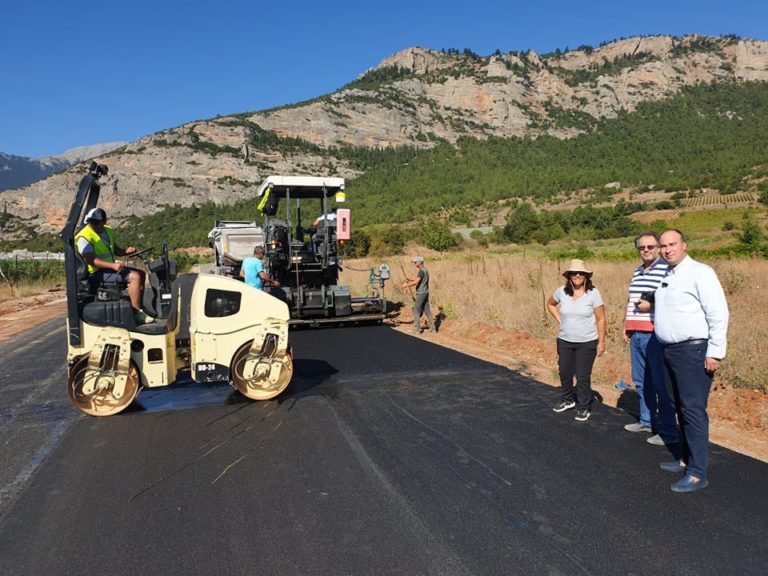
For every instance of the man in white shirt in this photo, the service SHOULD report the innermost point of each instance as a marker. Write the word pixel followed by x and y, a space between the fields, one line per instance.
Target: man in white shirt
pixel 691 324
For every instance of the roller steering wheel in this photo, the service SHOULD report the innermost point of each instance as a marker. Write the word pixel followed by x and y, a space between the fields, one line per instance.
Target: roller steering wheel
pixel 140 253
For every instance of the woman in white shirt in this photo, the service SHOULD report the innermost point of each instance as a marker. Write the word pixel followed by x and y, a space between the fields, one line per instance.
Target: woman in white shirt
pixel 578 308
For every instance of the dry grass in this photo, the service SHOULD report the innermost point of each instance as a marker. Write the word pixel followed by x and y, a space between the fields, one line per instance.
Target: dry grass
pixel 510 292
pixel 23 290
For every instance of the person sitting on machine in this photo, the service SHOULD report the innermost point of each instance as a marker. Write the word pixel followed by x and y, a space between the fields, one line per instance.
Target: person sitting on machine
pixel 96 243
pixel 326 219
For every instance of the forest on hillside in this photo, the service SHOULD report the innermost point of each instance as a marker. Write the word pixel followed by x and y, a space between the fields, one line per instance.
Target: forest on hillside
pixel 707 136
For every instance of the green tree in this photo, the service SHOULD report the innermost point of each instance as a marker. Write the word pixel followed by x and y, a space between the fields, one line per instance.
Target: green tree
pixel 394 237
pixel 751 235
pixel 438 237
pixel 522 222
pixel 358 246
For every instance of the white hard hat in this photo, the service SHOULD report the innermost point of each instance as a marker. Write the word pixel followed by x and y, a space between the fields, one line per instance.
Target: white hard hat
pixel 95 215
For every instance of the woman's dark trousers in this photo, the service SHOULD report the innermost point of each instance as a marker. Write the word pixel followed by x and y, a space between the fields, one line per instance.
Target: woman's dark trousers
pixel 576 359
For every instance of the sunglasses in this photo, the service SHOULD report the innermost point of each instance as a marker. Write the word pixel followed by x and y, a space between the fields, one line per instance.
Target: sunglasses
pixel 576 274
pixel 648 247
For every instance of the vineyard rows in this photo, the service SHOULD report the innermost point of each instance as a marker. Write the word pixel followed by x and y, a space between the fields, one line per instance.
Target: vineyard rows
pixel 703 201
pixel 713 199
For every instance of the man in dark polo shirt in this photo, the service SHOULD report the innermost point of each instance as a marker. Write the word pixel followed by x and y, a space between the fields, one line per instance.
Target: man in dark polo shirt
pixel 421 300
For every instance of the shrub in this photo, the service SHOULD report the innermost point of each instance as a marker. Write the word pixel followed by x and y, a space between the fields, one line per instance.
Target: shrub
pixel 358 247
pixel 438 237
pixel 664 205
pixel 751 235
pixel 16 271
pixel 394 238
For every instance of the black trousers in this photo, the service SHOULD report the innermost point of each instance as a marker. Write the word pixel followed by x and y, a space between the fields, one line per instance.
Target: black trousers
pixel 576 359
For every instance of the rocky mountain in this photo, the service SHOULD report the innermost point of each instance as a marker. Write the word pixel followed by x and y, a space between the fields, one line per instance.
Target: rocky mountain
pixel 417 97
pixel 20 171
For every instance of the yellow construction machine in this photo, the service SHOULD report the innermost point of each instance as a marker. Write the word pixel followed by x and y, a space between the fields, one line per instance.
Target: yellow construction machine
pixel 210 327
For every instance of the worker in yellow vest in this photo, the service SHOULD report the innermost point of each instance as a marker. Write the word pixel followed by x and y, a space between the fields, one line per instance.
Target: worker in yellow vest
pixel 96 242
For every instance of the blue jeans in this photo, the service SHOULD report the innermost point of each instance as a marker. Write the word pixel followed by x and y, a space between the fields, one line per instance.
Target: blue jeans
pixel 685 376
pixel 656 408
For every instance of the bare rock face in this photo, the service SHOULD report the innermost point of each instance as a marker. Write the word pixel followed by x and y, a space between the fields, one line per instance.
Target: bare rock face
pixel 83 153
pixel 417 97
pixel 750 60
pixel 419 60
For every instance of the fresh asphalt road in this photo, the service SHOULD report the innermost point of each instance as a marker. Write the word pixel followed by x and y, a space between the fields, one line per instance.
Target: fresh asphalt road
pixel 386 455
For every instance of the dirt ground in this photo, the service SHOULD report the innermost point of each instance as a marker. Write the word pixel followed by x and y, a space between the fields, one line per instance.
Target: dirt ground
pixel 738 417
pixel 20 314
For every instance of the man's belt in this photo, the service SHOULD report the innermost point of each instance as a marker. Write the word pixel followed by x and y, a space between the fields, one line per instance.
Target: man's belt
pixel 692 342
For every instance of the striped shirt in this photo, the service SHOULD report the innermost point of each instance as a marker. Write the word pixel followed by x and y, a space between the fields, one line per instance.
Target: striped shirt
pixel 643 281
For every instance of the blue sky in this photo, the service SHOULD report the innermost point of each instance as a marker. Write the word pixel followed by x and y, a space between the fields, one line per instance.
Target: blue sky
pixel 74 73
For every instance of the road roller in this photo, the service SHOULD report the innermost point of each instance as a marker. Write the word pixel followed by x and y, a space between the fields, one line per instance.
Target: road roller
pixel 208 328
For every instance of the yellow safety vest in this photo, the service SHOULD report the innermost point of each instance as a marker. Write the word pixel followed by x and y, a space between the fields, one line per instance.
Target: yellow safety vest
pixel 100 250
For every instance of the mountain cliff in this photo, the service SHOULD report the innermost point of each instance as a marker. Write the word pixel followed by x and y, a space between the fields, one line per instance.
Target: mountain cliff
pixel 20 171
pixel 418 98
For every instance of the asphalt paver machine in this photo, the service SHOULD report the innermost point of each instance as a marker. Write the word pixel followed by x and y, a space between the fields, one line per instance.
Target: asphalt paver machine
pixel 305 259
pixel 212 327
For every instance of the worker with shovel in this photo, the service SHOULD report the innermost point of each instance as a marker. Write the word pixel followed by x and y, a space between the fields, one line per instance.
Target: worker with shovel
pixel 421 300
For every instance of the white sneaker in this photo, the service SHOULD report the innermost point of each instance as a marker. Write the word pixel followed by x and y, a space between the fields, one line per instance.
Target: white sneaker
pixel 564 405
pixel 141 317
pixel 637 427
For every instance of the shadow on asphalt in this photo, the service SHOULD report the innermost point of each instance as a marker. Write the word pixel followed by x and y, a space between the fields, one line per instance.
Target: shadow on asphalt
pixel 186 394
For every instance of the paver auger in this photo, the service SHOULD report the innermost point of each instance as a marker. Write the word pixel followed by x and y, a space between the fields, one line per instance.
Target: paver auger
pixel 217 328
